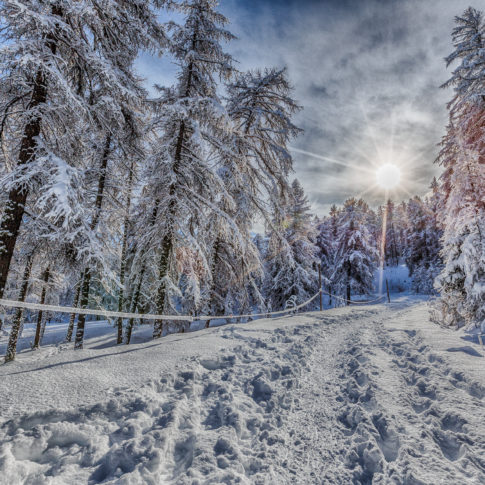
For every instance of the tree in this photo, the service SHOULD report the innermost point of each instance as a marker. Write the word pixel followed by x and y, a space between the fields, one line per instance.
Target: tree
pixel 461 283
pixel 54 58
pixel 392 249
pixel 182 182
pixel 356 256
pixel 422 245
pixel 17 321
pixel 253 160
pixel 292 253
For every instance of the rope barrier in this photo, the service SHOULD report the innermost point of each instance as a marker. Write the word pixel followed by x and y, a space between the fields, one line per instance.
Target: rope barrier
pixel 146 316
pixel 143 316
pixel 351 301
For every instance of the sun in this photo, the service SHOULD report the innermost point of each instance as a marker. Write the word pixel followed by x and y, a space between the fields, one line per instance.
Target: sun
pixel 388 176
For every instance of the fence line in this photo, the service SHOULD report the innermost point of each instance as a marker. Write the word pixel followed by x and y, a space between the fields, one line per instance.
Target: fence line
pixel 147 316
pixel 351 301
pixel 143 316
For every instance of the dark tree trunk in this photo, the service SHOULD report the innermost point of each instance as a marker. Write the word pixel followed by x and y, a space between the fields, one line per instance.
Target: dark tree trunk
pixel 121 295
pixel 167 242
pixel 39 315
pixel 212 296
pixel 15 205
pixel 348 282
pixel 136 294
pixel 163 266
pixel 84 298
pixel 70 327
pixel 78 342
pixel 134 305
pixel 17 322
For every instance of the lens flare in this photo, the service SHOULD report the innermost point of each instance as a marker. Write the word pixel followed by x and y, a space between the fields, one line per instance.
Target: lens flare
pixel 388 176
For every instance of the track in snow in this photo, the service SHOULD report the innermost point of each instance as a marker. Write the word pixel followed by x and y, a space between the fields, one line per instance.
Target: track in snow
pixel 340 398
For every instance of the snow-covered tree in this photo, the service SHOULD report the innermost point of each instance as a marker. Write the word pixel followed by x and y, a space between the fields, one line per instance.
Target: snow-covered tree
pixel 182 182
pixel 292 254
pixel 462 281
pixel 356 255
pixel 55 56
pixel 392 249
pixel 422 245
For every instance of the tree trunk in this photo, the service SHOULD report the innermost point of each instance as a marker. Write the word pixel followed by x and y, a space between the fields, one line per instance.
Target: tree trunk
pixel 17 322
pixel 212 296
pixel 134 305
pixel 121 295
pixel 163 266
pixel 39 315
pixel 167 243
pixel 70 327
pixel 136 295
pixel 78 343
pixel 15 205
pixel 348 283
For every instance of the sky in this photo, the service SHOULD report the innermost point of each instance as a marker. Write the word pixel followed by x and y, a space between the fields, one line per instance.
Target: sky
pixel 367 74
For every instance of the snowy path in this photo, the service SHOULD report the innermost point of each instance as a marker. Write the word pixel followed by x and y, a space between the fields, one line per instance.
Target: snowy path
pixel 397 413
pixel 345 396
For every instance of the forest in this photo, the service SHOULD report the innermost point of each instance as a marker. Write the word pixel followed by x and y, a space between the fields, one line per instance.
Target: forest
pixel 115 199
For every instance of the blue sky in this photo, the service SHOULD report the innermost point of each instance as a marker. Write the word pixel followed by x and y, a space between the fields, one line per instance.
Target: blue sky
pixel 367 74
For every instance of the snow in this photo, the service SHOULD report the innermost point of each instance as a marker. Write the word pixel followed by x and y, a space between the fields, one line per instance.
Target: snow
pixel 349 395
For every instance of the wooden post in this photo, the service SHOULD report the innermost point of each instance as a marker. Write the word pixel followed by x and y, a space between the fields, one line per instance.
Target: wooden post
pixel 387 289
pixel 320 285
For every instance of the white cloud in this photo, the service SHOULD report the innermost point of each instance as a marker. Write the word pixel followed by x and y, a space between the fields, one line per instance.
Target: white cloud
pixel 367 75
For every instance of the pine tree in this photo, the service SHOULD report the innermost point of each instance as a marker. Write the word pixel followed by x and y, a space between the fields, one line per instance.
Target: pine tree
pixel 356 256
pixel 422 245
pixel 462 281
pixel 392 252
pixel 292 253
pixel 327 231
pixel 182 182
pixel 253 160
pixel 54 57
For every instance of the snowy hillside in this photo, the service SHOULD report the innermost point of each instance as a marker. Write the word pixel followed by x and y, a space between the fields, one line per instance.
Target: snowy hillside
pixel 351 395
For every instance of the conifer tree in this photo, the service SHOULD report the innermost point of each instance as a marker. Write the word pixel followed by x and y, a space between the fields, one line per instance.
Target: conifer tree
pixel 356 255
pixel 462 281
pixel 182 181
pixel 292 253
pixel 54 57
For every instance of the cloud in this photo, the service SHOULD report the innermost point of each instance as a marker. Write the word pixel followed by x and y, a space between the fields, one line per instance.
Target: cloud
pixel 367 74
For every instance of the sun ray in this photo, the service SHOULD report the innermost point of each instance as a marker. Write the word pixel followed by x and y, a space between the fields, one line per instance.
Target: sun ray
pixel 330 160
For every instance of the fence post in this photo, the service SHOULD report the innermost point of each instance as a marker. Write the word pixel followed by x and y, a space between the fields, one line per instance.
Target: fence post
pixel 387 289
pixel 320 285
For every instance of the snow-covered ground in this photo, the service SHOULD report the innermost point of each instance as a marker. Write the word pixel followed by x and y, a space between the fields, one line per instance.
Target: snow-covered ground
pixel 369 394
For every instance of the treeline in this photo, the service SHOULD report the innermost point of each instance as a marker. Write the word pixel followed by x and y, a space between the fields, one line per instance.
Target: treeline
pixel 112 199
pixel 349 245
